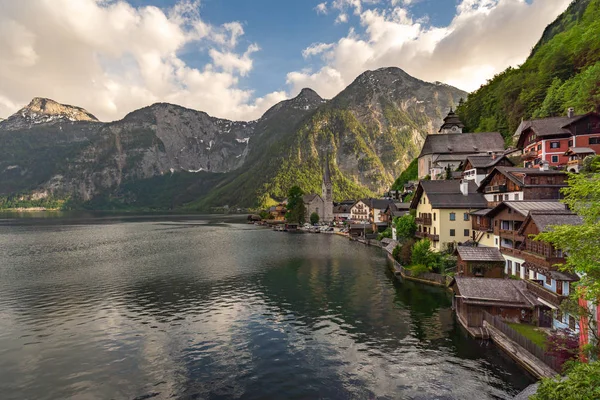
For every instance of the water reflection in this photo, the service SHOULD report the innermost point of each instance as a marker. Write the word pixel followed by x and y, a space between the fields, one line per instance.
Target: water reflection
pixel 210 309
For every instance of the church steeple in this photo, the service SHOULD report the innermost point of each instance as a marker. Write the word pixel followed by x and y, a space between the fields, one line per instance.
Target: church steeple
pixel 327 192
pixel 452 124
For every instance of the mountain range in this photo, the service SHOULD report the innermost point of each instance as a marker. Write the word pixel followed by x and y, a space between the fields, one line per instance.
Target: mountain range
pixel 165 156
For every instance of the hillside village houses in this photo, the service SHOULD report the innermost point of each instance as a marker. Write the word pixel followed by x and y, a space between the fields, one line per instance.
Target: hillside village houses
pixel 496 208
pixel 555 140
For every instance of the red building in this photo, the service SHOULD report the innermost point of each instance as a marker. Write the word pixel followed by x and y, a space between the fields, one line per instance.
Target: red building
pixel 548 139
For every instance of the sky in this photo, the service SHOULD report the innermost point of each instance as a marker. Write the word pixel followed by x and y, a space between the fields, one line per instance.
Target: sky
pixel 236 58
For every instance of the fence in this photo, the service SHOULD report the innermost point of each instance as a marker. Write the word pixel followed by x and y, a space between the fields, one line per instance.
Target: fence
pixel 427 276
pixel 522 341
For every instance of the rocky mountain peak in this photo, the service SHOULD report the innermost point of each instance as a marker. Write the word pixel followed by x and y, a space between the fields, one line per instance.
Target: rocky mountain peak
pixel 41 110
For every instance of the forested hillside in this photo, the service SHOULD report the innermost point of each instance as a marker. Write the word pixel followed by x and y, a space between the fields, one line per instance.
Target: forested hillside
pixel 562 71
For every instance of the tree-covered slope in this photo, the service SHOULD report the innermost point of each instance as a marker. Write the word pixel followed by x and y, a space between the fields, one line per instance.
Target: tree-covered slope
pixel 562 71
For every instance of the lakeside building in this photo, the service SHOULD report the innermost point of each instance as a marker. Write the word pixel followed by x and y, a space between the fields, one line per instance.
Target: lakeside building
pixel 450 148
pixel 342 211
pixel 548 140
pixel 277 213
pixel 360 211
pixel 476 168
pixel 443 211
pixel 514 183
pixel 481 262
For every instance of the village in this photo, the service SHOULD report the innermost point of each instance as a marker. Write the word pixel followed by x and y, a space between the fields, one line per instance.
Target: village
pixel 468 223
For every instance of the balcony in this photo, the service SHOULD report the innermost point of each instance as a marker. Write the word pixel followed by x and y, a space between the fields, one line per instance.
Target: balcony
pixel 423 220
pixel 496 189
pixel 425 235
pixel 545 294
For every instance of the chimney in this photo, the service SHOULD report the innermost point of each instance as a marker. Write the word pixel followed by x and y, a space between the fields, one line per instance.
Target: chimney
pixel 464 187
pixel 571 112
pixel 493 156
pixel 544 166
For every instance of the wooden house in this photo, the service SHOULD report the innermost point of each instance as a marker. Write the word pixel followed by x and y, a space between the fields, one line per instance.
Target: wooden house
pixel 476 168
pixel 547 140
pixel 507 298
pixel 480 262
pixel 512 183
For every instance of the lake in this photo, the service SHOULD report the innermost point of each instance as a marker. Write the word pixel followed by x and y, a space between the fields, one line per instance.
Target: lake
pixel 211 308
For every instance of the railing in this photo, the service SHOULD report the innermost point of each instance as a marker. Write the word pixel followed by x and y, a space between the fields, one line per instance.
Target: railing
pixel 423 220
pixel 522 341
pixel 574 162
pixel 545 294
pixel 425 235
pixel 496 189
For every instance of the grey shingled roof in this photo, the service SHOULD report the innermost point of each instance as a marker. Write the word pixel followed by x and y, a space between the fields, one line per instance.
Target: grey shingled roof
pixel 490 254
pixel 550 126
pixel 525 207
pixel 556 275
pixel 447 194
pixel 309 198
pixel 485 161
pixel 580 150
pixel 481 213
pixel 506 291
pixel 517 175
pixel 467 143
pixel 452 120
pixel 543 220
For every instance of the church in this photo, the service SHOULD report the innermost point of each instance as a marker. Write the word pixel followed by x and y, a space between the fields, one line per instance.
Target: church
pixel 321 204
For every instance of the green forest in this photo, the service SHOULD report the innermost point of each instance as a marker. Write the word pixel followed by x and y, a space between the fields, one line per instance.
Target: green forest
pixel 562 71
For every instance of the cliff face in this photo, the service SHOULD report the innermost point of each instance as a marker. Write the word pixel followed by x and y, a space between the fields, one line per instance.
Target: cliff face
pixel 371 131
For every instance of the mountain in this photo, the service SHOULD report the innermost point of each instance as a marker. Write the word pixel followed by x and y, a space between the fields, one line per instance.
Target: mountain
pixel 166 156
pixel 562 71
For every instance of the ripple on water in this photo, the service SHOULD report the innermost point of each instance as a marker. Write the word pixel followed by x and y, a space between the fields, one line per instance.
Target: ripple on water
pixel 204 310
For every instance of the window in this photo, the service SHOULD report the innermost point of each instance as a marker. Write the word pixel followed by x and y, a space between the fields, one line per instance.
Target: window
pixel 534 180
pixel 452 232
pixel 548 280
pixel 495 197
pixel 570 143
pixel 509 266
pixel 554 159
pixel 466 217
pixel 496 241
pixel 539 147
pixel 452 216
pixel 466 232
pixel 518 268
pixel 434 216
pixel 434 230
pixel 554 145
pixel 594 140
pixel 505 197
pixel 550 180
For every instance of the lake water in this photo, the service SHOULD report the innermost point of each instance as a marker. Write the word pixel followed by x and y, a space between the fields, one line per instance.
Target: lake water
pixel 207 308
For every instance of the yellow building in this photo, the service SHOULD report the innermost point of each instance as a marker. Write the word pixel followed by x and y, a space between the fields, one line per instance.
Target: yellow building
pixel 443 211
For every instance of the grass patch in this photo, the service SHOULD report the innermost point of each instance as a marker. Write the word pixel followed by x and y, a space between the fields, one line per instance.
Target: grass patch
pixel 531 332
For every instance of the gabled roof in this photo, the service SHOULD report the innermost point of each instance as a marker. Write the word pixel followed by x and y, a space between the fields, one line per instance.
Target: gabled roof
pixel 545 219
pixel 492 290
pixel 447 194
pixel 524 207
pixel 548 127
pixel 309 198
pixel 466 143
pixel 342 209
pixel 486 161
pixel 517 175
pixel 579 150
pixel 482 254
pixel 379 204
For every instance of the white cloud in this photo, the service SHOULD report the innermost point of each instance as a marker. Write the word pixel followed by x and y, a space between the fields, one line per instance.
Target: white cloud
pixel 484 38
pixel 341 18
pixel 321 8
pixel 316 49
pixel 112 58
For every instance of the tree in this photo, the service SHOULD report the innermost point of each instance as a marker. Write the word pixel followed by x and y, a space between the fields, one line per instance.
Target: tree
pixel 405 227
pixel 314 218
pixel 581 383
pixel 563 346
pixel 448 176
pixel 296 209
pixel 422 254
pixel 385 234
pixel 580 242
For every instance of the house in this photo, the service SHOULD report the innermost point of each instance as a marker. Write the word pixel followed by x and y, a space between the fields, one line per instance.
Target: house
pixel 361 230
pixel 476 168
pixel 360 211
pixel 576 156
pixel 377 209
pixel 394 210
pixel 450 150
pixel 507 218
pixel 506 298
pixel 341 211
pixel 481 262
pixel 278 212
pixel 541 259
pixel 513 183
pixel 547 140
pixel 443 211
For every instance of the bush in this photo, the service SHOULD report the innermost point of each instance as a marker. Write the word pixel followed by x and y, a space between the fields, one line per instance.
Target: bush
pixel 385 234
pixel 405 256
pixel 314 218
pixel 405 227
pixel 563 346
pixel 581 382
